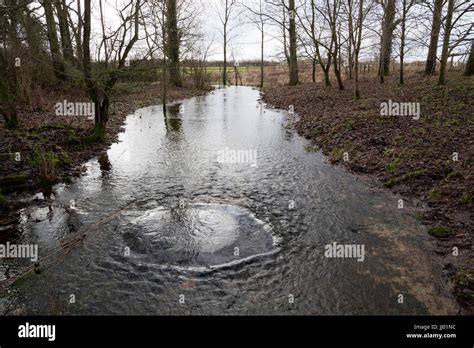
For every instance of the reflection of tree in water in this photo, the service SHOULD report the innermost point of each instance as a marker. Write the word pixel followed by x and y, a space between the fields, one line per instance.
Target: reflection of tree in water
pixel 104 164
pixel 173 121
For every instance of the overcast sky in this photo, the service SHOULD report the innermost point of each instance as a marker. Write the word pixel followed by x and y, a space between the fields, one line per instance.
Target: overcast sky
pixel 245 36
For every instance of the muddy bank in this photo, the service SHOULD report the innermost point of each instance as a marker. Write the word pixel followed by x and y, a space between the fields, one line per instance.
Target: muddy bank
pixel 46 149
pixel 428 160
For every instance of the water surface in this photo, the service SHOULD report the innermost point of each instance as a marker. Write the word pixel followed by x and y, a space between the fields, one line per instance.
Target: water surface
pixel 171 228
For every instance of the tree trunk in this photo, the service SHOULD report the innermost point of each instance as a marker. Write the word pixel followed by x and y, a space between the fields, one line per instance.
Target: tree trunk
pixel 80 23
pixel 337 59
pixel 402 41
pixel 64 30
pixel 98 132
pixel 430 68
pixel 7 99
pixel 261 59
pixel 102 107
pixel 58 64
pixel 164 71
pixel 173 43
pixel 387 38
pixel 470 62
pixel 350 62
pixel 357 45
pixel 327 81
pixel 224 72
pixel 337 72
pixel 293 56
pixel 313 72
pixel 445 51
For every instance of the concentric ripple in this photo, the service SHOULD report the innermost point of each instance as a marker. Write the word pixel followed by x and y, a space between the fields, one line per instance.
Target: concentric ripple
pixel 199 234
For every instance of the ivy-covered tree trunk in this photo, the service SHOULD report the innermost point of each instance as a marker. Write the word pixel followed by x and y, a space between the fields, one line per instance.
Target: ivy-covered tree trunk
pixel 7 104
pixel 173 43
pixel 470 62
pixel 56 56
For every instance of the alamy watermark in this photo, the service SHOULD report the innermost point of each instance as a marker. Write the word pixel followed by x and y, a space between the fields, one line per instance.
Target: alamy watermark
pixel 229 156
pixel 393 108
pixel 22 251
pixel 66 108
pixel 356 251
pixel 37 331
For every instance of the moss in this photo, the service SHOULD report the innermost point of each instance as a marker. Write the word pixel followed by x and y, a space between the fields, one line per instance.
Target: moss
pixel 439 232
pixel 397 180
pixel 410 154
pixel 3 200
pixel 349 125
pixel 388 151
pixel 434 194
pixel 46 163
pixel 67 180
pixel 393 166
pixel 311 147
pixel 54 126
pixel 455 174
pixel 397 139
pixel 14 180
pixel 466 198
pixel 337 153
pixel 465 278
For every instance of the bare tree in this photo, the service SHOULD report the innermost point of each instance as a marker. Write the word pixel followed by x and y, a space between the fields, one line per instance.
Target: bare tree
pixel 66 43
pixel 173 42
pixel 406 6
pixel 57 58
pixel 333 15
pixel 470 62
pixel 292 33
pixel 445 51
pixel 100 88
pixel 355 39
pixel 224 12
pixel 430 67
pixel 320 40
pixel 388 26
pixel 259 20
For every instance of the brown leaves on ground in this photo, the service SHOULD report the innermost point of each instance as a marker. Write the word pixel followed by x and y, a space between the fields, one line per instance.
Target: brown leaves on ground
pixel 414 157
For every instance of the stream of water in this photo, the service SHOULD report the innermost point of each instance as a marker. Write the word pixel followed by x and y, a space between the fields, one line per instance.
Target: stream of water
pixel 225 213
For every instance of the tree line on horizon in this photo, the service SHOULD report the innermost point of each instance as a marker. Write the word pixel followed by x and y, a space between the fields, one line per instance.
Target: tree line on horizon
pixel 91 45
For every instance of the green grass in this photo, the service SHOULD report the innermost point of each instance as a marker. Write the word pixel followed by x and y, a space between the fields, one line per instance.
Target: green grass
pixel 435 193
pixel 466 198
pixel 337 153
pixel 3 200
pixel 397 180
pixel 388 151
pixel 464 277
pixel 14 180
pixel 393 166
pixel 439 232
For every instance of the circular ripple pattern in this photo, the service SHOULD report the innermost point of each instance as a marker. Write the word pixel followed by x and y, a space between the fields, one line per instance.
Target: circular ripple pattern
pixel 197 234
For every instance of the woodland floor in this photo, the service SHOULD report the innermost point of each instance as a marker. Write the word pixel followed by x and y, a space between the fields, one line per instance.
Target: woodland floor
pixel 411 157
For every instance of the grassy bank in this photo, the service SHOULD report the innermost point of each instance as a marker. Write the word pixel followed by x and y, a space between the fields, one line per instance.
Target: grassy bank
pixel 430 158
